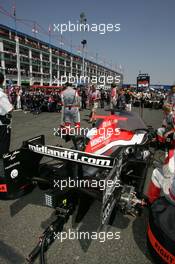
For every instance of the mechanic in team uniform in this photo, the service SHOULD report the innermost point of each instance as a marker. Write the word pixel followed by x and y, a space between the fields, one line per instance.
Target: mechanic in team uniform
pixel 168 125
pixel 161 196
pixel 171 97
pixel 5 119
pixel 163 179
pixel 70 110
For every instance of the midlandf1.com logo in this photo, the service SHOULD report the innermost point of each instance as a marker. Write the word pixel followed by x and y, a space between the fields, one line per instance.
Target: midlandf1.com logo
pixel 72 155
pixel 78 27
pixel 80 235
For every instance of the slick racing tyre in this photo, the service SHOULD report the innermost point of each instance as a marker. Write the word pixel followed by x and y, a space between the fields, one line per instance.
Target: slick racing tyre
pixel 161 231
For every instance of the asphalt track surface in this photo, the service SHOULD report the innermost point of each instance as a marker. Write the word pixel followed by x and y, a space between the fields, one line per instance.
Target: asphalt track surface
pixel 23 220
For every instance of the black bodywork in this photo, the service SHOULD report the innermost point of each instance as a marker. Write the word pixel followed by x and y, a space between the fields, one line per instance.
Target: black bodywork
pixel 126 168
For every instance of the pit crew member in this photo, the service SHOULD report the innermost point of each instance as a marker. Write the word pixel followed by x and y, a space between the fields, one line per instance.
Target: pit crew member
pixel 163 179
pixel 5 119
pixel 168 124
pixel 70 111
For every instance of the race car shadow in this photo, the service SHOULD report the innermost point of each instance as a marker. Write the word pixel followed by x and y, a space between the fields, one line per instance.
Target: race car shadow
pixel 119 220
pixel 139 228
pixel 10 255
pixel 35 197
pixel 91 223
pixel 87 221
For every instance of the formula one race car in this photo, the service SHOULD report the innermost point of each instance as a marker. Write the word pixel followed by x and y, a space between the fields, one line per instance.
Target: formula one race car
pixel 109 164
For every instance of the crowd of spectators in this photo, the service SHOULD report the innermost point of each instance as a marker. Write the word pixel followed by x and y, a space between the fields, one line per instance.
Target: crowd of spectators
pixel 34 101
pixel 37 101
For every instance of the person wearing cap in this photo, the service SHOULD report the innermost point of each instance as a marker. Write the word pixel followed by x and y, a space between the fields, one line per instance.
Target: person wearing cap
pixel 5 119
pixel 71 104
pixel 163 179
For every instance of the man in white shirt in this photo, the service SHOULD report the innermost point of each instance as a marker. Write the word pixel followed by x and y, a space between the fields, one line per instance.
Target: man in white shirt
pixel 71 104
pixel 5 120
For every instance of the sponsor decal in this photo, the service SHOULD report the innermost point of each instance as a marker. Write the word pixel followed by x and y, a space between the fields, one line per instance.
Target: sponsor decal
pixel 105 137
pixel 12 165
pixel 106 123
pixel 72 155
pixel 109 198
pixel 114 183
pixel 131 140
pixel 107 211
pixel 161 251
pixel 99 140
pixel 109 123
pixel 11 156
pixel 14 174
pixel 3 188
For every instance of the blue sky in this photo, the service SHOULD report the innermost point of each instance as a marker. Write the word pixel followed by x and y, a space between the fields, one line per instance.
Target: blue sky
pixel 145 42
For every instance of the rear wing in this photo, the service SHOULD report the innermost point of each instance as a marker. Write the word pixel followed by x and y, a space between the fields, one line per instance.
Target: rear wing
pixel 71 155
pixel 18 167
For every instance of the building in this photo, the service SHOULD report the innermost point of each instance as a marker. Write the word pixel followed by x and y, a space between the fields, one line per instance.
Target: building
pixel 27 61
